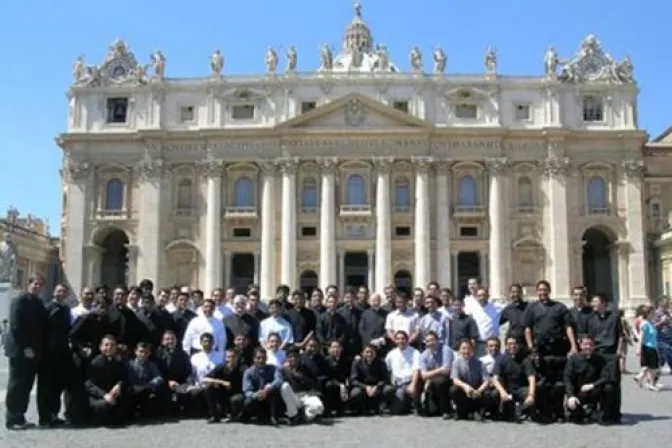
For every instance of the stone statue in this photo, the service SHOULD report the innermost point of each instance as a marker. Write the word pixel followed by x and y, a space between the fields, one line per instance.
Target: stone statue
pixel 217 63
pixel 383 58
pixel 416 60
pixel 292 59
pixel 357 57
pixel 158 63
pixel 439 61
pixel 118 49
pixel 491 61
pixel 271 61
pixel 8 259
pixel 327 57
pixel 358 9
pixel 139 74
pixel 551 61
pixel 625 71
pixel 79 70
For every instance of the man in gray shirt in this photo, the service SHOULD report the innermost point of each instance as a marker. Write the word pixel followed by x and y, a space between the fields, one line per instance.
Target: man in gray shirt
pixel 435 365
pixel 469 384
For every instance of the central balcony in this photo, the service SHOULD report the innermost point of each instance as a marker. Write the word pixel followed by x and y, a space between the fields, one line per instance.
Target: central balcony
pixel 241 212
pixel 355 211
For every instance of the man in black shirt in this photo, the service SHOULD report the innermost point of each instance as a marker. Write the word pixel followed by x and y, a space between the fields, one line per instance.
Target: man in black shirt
pixel 106 385
pixel 302 320
pixel 372 326
pixel 512 314
pixel 24 344
pixel 352 314
pixel 338 371
pixel 462 327
pixel 299 390
pixel 514 378
pixel 331 326
pixel 589 381
pixel 314 362
pixel 182 315
pixel 131 327
pixel 581 312
pixel 175 366
pixel 241 323
pixel 369 382
pixel 155 320
pixel 56 363
pixel 253 306
pixel 224 389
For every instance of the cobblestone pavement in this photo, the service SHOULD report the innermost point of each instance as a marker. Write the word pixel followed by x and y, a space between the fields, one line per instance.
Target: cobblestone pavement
pixel 647 416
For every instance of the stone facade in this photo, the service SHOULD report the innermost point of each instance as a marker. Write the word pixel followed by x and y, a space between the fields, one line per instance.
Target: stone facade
pixel 357 173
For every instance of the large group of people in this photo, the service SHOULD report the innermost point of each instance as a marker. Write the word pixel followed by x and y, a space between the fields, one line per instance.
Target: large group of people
pixel 127 354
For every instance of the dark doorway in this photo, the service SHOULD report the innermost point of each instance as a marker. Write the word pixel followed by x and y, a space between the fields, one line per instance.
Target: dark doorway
pixel 308 282
pixel 114 260
pixel 356 269
pixel 242 272
pixel 403 281
pixel 599 270
pixel 468 266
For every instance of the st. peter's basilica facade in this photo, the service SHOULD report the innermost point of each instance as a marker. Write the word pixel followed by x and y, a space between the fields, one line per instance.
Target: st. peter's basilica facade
pixel 358 173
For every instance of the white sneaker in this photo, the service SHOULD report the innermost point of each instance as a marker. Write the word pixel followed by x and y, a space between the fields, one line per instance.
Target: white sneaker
pixel 655 388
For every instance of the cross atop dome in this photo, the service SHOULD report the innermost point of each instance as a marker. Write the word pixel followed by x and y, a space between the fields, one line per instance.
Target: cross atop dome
pixel 358 35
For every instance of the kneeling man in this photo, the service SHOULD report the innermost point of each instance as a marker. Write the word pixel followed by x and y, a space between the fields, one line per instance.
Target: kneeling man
pixel 514 378
pixel 299 390
pixel 261 384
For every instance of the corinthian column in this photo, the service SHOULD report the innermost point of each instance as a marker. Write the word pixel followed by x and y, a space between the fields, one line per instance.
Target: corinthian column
pixel 422 214
pixel 498 263
pixel 556 226
pixel 266 280
pixel 212 172
pixel 80 185
pixel 288 243
pixel 634 222
pixel 150 176
pixel 443 254
pixel 328 223
pixel 383 223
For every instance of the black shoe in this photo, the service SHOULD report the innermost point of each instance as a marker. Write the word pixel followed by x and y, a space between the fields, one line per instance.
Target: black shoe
pixel 446 416
pixel 273 421
pixel 214 420
pixel 478 416
pixel 294 421
pixel 19 426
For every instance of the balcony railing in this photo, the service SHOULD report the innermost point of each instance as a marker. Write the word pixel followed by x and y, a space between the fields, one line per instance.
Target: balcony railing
pixel 470 210
pixel 599 211
pixel 356 210
pixel 309 210
pixel 402 208
pixel 111 215
pixel 240 212
pixel 184 211
pixel 527 210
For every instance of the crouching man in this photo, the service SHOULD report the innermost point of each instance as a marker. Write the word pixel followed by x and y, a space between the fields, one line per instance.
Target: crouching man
pixel 514 378
pixel 261 385
pixel 299 390
pixel 106 383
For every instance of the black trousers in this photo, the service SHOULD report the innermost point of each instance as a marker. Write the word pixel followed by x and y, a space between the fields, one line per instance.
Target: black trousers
pixel 549 399
pixel 52 380
pixel 361 403
pixel 332 396
pixel 508 408
pixel 220 401
pixel 262 409
pixel 401 401
pixel 464 405
pixel 106 414
pixel 615 412
pixel 22 372
pixel 77 405
pixel 147 402
pixel 602 396
pixel 437 397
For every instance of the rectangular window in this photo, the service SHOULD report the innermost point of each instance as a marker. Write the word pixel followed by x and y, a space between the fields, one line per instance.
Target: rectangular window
pixel 117 110
pixel 522 112
pixel 242 232
pixel 307 106
pixel 469 232
pixel 186 114
pixel 401 106
pixel 466 111
pixel 308 231
pixel 243 112
pixel 593 108
pixel 655 210
pixel 402 231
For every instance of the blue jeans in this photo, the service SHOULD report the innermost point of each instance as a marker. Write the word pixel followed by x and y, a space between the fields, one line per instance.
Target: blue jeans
pixel 665 352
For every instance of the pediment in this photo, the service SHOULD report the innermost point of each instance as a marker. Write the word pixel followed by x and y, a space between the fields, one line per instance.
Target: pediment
pixel 357 112
pixel 466 94
pixel 243 94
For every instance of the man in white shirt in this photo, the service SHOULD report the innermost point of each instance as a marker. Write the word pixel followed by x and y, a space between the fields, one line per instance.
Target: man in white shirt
pixel 276 324
pixel 403 363
pixel 402 319
pixel 222 309
pixel 201 324
pixel 472 291
pixel 85 304
pixel 486 316
pixel 205 361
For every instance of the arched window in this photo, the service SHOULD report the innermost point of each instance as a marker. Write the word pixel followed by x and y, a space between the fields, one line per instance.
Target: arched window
pixel 243 192
pixel 184 194
pixel 355 193
pixel 525 192
pixel 309 193
pixel 402 194
pixel 114 194
pixel 597 194
pixel 467 191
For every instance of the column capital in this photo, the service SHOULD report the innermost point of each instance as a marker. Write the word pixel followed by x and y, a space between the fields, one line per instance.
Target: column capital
pixel 422 164
pixel 634 169
pixel 77 171
pixel 382 164
pixel 555 166
pixel 210 168
pixel 497 165
pixel 267 166
pixel 443 166
pixel 149 169
pixel 327 164
pixel 370 252
pixel 289 165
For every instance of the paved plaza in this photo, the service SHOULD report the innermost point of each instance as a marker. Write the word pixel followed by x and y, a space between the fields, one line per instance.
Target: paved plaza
pixel 648 416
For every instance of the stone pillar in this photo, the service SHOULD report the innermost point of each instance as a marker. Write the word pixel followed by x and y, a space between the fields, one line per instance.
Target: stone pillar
pixel 341 271
pixel 212 171
pixel 150 175
pixel 383 223
pixel 620 273
pixel 423 266
pixel 93 264
pixel 443 261
pixel 328 223
pixel 484 275
pixel 633 171
pixel 132 277
pixel 556 226
pixel 455 286
pixel 266 278
pixel 228 257
pixel 257 260
pixel 371 281
pixel 497 216
pixel 288 242
pixel 79 178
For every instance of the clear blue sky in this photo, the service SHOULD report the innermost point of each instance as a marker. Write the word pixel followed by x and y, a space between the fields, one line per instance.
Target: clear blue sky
pixel 40 39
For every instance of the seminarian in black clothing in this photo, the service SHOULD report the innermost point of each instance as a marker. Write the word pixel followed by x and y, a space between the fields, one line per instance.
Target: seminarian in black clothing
pixel 240 322
pixel 106 385
pixel 514 378
pixel 581 312
pixel 372 326
pixel 131 327
pixel 331 326
pixel 155 321
pixel 175 366
pixel 513 315
pixel 352 314
pixel 370 383
pixel 337 374
pixel 302 320
pixel 182 315
pixel 56 362
pixel 589 382
pixel 224 388
pixel 462 327
pixel 23 346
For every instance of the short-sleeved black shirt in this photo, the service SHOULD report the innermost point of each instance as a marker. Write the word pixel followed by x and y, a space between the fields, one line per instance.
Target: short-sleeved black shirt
pixel 548 320
pixel 605 329
pixel 513 371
